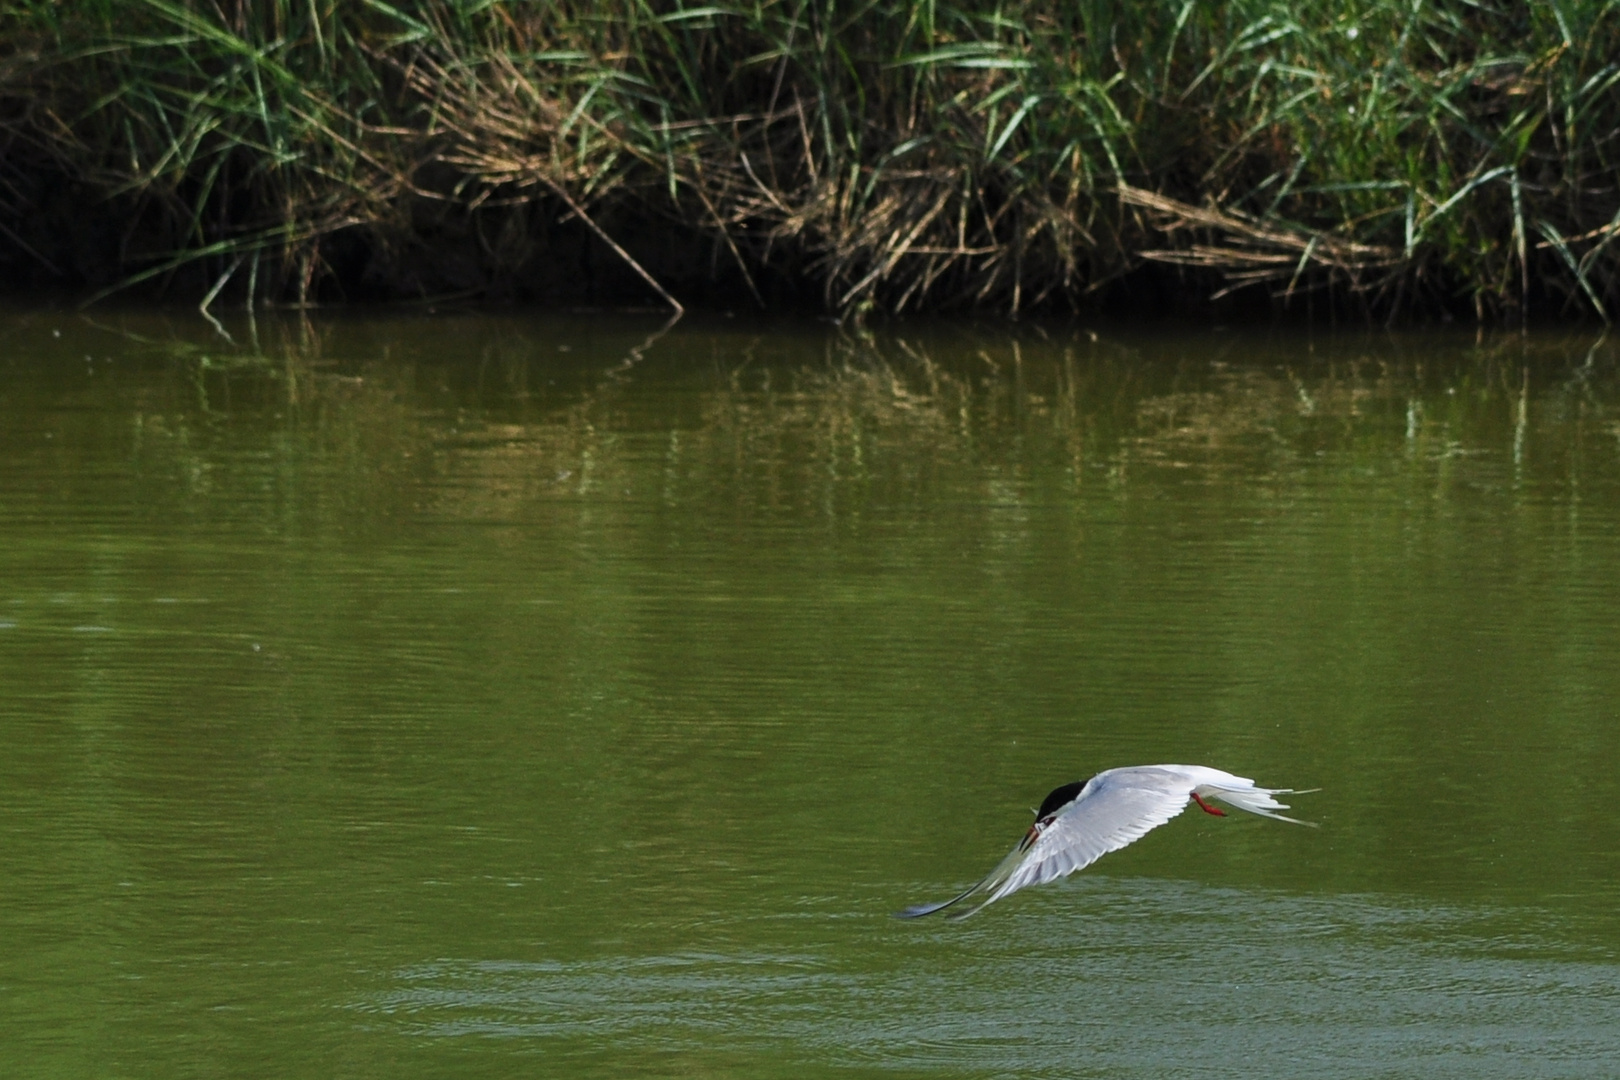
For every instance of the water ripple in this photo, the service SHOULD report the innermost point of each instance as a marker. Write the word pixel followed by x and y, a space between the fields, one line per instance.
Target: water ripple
pixel 1129 979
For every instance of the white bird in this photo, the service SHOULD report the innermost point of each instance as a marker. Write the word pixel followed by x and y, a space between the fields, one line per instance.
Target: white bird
pixel 1081 822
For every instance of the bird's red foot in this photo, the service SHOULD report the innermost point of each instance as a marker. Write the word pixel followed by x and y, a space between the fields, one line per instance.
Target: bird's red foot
pixel 1206 808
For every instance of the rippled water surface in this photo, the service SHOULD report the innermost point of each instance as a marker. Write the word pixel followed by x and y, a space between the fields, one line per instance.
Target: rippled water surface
pixel 474 695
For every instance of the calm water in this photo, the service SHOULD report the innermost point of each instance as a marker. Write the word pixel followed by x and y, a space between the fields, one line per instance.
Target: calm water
pixel 433 696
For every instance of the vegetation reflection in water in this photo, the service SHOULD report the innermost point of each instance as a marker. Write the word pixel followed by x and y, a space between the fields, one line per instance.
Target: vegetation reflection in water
pixel 414 695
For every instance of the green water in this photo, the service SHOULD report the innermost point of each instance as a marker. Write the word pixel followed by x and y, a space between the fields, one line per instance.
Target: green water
pixel 467 695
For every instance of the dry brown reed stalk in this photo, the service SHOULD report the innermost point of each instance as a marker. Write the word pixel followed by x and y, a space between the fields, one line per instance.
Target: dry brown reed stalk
pixel 1257 252
pixel 899 227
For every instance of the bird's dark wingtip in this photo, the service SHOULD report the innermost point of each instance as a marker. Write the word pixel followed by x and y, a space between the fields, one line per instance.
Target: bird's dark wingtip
pixel 917 911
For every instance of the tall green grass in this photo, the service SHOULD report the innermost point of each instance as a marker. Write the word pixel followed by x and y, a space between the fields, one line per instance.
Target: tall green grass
pixel 1399 155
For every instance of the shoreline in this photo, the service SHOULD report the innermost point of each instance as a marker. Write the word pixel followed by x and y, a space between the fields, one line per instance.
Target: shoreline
pixel 1383 165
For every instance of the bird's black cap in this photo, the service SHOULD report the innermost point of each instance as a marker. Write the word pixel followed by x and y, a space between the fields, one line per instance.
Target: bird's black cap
pixel 1060 798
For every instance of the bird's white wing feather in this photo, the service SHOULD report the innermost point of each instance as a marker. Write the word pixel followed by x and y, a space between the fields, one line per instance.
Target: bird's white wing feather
pixel 1116 808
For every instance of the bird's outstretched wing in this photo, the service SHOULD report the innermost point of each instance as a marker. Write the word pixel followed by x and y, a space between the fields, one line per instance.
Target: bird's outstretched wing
pixel 1114 809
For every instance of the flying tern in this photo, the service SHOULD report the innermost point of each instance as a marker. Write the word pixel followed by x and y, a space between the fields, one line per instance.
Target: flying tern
pixel 1081 822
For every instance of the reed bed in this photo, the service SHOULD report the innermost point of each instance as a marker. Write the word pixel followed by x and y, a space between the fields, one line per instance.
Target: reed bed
pixel 1381 157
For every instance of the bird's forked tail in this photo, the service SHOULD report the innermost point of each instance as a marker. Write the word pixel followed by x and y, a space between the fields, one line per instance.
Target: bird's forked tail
pixel 1256 800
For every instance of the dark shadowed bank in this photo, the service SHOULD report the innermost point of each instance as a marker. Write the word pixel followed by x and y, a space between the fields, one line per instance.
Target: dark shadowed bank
pixel 1381 159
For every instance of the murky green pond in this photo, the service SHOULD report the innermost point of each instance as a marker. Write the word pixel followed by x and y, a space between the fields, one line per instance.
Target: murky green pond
pixel 466 695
